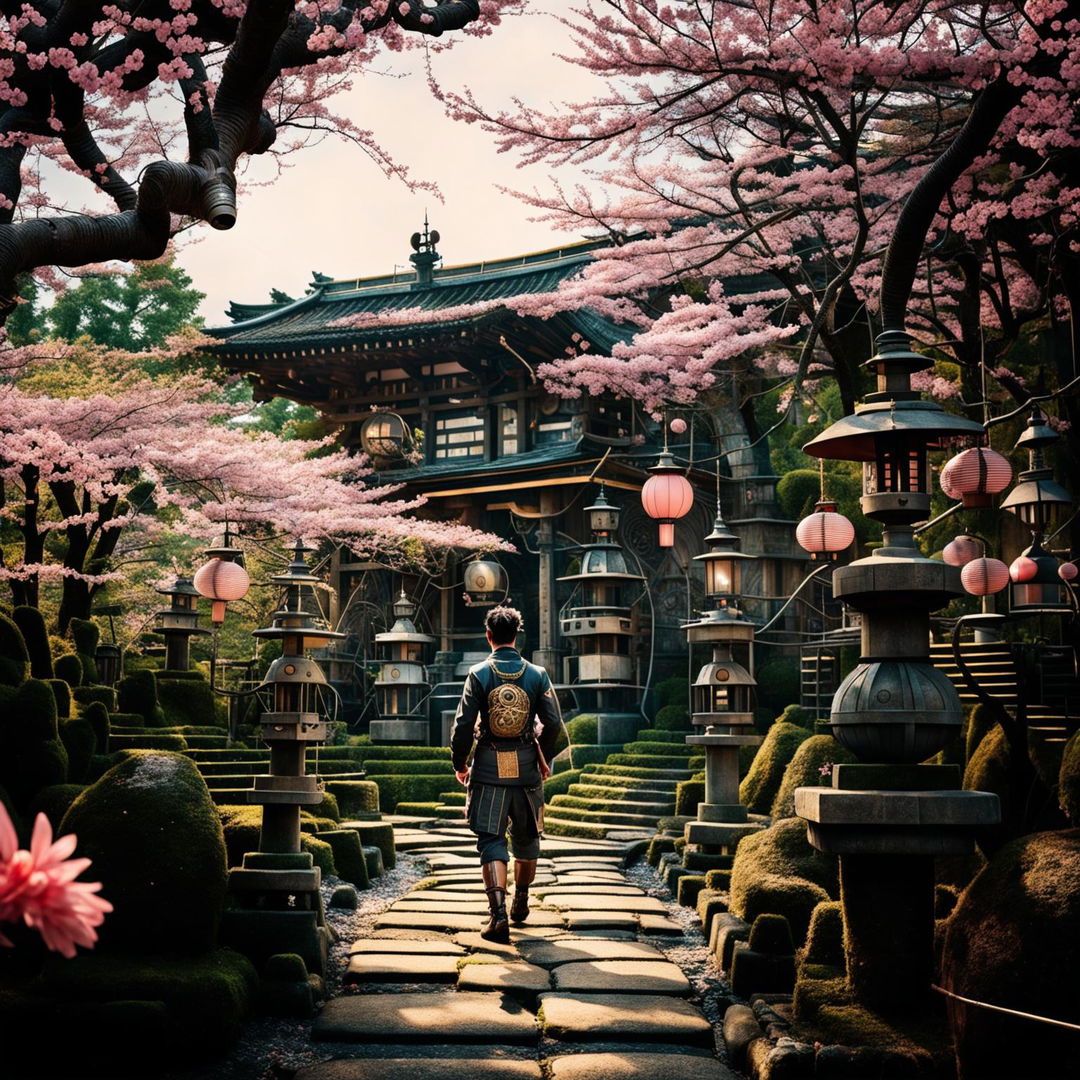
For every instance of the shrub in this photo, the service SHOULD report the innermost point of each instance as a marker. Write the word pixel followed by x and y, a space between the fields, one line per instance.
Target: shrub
pixel 580 756
pixel 348 856
pixel 240 827
pixel 688 793
pixel 354 796
pixel 673 691
pixel 758 791
pixel 804 770
pixel 14 659
pixel 582 729
pixel 138 694
pixel 80 742
pixel 777 871
pixel 31 623
pixel 53 802
pixel 673 718
pixel 285 967
pixel 371 752
pixel 778 682
pixel 381 835
pixel 86 695
pixel 344 898
pixel 31 753
pixel 86 636
pixel 69 668
pixel 1069 780
pixel 186 701
pixel 560 784
pixel 980 722
pixel 825 936
pixel 1012 940
pixel 62 694
pixel 328 808
pixel 156 841
pixel 321 852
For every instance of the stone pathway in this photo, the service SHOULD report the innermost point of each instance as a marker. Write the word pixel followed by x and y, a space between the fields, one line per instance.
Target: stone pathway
pixel 581 993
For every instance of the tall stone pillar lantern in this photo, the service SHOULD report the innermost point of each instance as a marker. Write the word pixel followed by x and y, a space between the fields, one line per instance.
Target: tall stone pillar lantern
pixel 402 683
pixel 274 905
pixel 721 702
pixel 888 816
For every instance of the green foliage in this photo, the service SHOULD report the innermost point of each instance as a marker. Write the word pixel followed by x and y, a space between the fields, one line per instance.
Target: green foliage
pixel 395 788
pixel 825 937
pixel 156 842
pixel 758 791
pixel 673 718
pixel 186 701
pixel 31 623
pixel 804 770
pixel 348 856
pixel 688 793
pixel 31 753
pixel 62 695
pixel 321 852
pixel 778 683
pixel 14 659
pixel 673 691
pixel 240 826
pixel 979 722
pixel 1069 780
pixel 582 729
pixel 86 636
pixel 653 761
pixel 87 695
pixel 659 845
pixel 560 784
pixel 797 491
pixel 688 888
pixel 137 693
pixel 1012 940
pixel 328 808
pixel 98 718
pixel 69 668
pixel 354 796
pixel 134 312
pixel 53 802
pixel 80 742
pixel 776 871
pixel 24 324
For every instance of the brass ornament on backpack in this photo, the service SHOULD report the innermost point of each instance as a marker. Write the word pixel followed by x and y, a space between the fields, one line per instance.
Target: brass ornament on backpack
pixel 509 709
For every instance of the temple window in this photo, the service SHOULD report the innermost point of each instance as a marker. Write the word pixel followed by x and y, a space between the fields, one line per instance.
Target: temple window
pixel 459 435
pixel 508 429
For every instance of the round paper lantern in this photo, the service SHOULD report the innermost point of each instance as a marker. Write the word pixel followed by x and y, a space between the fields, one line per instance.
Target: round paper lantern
pixel 973 475
pixel 221 581
pixel 1023 569
pixel 983 577
pixel 825 532
pixel 667 496
pixel 678 425
pixel 1067 571
pixel 961 550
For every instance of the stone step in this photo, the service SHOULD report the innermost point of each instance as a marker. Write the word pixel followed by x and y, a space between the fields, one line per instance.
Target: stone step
pixel 620 794
pixel 467 1063
pixel 636 772
pixel 572 814
pixel 247 781
pixel 627 783
pixel 623 1018
pixel 621 806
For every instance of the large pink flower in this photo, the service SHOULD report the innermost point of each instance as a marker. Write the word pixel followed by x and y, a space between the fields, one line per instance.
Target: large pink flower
pixel 39 887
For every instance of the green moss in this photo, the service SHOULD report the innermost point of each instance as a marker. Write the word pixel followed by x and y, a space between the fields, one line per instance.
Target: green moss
pixel 31 624
pixel 86 695
pixel 688 793
pixel 97 716
pixel 825 937
pixel 580 756
pixel 560 784
pixel 62 694
pixel 381 835
pixel 653 761
pixel 1012 940
pixel 778 682
pixel 86 636
pixel 659 845
pixel 14 659
pixel 241 826
pixel 80 743
pixel 348 856
pixel 156 842
pixel 777 871
pixel 689 887
pixel 771 934
pixel 321 853
pixel 673 718
pixel 818 985
pixel 137 693
pixel 69 668
pixel 758 791
pixel 720 880
pixel 804 770
pixel 186 701
pixel 285 967
pixel 663 749
pixel 1069 780
pixel 395 789
pixel 980 721
pixel 354 797
pixel 328 808
pixel 54 802
pixel 370 752
pixel 582 729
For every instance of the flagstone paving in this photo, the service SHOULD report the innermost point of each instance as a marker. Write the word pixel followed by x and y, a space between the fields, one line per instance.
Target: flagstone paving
pixel 578 989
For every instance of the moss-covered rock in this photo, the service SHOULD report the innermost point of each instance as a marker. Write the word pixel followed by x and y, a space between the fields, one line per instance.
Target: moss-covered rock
pixel 241 826
pixel 348 856
pixel 87 695
pixel 688 793
pixel 86 636
pixel 776 871
pixel 186 701
pixel 14 659
pixel 31 624
pixel 354 797
pixel 69 668
pixel 321 852
pixel 1069 780
pixel 804 770
pixel 54 803
pixel 758 791
pixel 1012 941
pixel 80 742
pixel 137 693
pixel 381 835
pixel 825 937
pixel 156 841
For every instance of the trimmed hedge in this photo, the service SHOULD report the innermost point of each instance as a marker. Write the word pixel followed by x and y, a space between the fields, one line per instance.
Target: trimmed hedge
pixel 1069 780
pixel 14 659
pixel 31 624
pixel 371 752
pixel 80 741
pixel 31 753
pixel 395 789
pixel 758 791
pixel 354 796
pixel 348 856
pixel 321 852
pixel 804 770
pixel 187 701
pixel 655 761
pixel 582 729
pixel 577 757
pixel 86 635
pixel 97 716
pixel 381 835
pixel 560 783
pixel 69 668
pixel 62 694
pixel 688 793
pixel 157 846
pixel 54 802
pixel 137 693
pixel 825 936
pixel 675 718
pixel 87 695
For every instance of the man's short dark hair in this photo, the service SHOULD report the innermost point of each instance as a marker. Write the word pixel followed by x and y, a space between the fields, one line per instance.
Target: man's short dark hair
pixel 503 624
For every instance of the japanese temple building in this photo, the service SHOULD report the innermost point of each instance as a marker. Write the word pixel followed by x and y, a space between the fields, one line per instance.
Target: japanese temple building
pixel 450 408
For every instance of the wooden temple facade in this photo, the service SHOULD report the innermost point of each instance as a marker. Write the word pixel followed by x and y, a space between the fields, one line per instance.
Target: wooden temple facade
pixel 449 407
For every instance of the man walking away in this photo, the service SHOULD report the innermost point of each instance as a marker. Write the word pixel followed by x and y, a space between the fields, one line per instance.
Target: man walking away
pixel 509 721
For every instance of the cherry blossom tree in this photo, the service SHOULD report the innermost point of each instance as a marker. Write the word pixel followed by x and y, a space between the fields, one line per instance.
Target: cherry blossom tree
pixel 157 103
pixel 86 481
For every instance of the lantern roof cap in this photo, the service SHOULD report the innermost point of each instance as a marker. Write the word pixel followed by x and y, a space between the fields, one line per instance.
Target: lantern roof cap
pixel 855 437
pixel 403 632
pixel 1038 432
pixel 601 502
pixel 737 675
pixel 723 543
pixel 182 586
pixel 665 464
pixel 1037 486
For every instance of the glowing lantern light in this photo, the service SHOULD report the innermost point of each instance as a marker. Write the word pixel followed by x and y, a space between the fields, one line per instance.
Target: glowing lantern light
pixel 221 581
pixel 1023 569
pixel 961 550
pixel 973 475
pixel 667 496
pixel 983 577
pixel 825 533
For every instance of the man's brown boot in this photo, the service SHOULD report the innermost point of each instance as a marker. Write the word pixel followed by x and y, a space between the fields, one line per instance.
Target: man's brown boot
pixel 524 873
pixel 498 928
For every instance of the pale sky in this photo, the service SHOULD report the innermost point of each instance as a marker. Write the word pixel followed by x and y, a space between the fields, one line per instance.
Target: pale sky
pixel 334 212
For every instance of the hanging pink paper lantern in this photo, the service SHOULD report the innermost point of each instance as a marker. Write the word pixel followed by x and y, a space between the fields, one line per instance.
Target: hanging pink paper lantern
pixel 973 475
pixel 221 581
pixel 824 533
pixel 678 425
pixel 1067 571
pixel 983 577
pixel 961 550
pixel 667 496
pixel 1023 569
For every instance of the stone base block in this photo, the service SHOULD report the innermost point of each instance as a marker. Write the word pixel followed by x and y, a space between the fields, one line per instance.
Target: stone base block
pixel 723 813
pixel 260 934
pixel 413 732
pixel 760 973
pixel 617 727
pixel 719 835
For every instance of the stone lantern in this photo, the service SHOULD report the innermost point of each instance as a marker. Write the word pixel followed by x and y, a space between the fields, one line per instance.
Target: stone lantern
pixel 600 627
pixel 402 684
pixel 721 702
pixel 888 818
pixel 179 622
pixel 274 903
